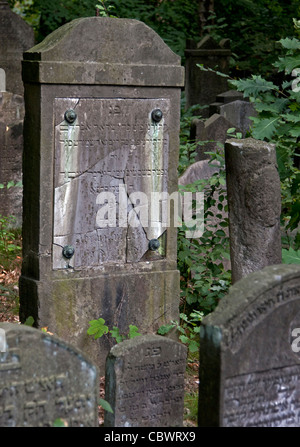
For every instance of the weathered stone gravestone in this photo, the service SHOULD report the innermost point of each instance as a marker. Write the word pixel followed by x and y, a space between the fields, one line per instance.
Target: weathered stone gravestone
pixel 11 148
pixel 237 110
pixel 144 383
pixel 16 36
pixel 239 113
pixel 107 144
pixel 202 87
pixel 254 205
pixel 212 133
pixel 224 98
pixel 249 356
pixel 43 379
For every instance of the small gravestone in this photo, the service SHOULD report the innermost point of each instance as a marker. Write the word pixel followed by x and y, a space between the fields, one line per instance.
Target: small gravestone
pixel 212 133
pixel 144 383
pixel 249 353
pixel 16 36
pixel 43 379
pixel 107 115
pixel 239 113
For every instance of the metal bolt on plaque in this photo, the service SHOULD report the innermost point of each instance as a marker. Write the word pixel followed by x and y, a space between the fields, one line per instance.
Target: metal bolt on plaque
pixel 154 244
pixel 156 115
pixel 70 116
pixel 68 251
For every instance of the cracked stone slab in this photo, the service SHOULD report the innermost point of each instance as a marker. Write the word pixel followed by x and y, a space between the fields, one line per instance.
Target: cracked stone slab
pixel 112 147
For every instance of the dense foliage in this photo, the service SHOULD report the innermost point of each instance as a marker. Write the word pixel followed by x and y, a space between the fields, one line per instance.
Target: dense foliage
pixel 253 26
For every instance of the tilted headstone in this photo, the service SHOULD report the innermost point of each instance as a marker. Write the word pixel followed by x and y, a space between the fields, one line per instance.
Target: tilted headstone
pixel 254 205
pixel 104 94
pixel 213 132
pixel 43 379
pixel 16 36
pixel 237 110
pixel 144 383
pixel 202 87
pixel 250 353
pixel 199 170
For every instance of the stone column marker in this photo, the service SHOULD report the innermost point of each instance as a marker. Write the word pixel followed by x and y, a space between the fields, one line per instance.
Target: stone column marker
pixel 254 205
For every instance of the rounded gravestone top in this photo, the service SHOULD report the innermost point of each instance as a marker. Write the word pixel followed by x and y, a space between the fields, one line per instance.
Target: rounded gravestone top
pixel 104 39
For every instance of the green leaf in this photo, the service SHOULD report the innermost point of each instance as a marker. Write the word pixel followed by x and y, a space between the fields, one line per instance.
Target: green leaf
pixel 275 107
pixel 97 328
pixel 60 423
pixel 162 330
pixel 115 333
pixel 295 216
pixel 202 68
pixel 10 184
pixel 29 321
pixel 105 405
pixel 184 339
pixel 290 44
pixel 253 86
pixel 133 331
pixel 264 128
pixel 290 256
pixel 193 346
pixel 288 63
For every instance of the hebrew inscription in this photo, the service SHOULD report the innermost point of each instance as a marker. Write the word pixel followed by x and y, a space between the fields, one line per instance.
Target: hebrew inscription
pixel 264 399
pixel 43 379
pixel 113 146
pixel 147 387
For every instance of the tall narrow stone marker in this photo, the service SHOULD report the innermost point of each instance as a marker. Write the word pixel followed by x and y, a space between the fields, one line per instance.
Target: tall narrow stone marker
pixel 101 139
pixel 254 205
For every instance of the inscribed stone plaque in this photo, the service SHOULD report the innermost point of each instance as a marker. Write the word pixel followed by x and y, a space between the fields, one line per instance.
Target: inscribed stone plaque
pixel 145 383
pixel 43 379
pixel 113 147
pixel 249 356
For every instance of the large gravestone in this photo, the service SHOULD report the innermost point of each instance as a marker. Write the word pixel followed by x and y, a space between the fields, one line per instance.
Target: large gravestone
pixel 43 379
pixel 202 87
pixel 101 129
pixel 11 147
pixel 249 353
pixel 16 36
pixel 144 383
